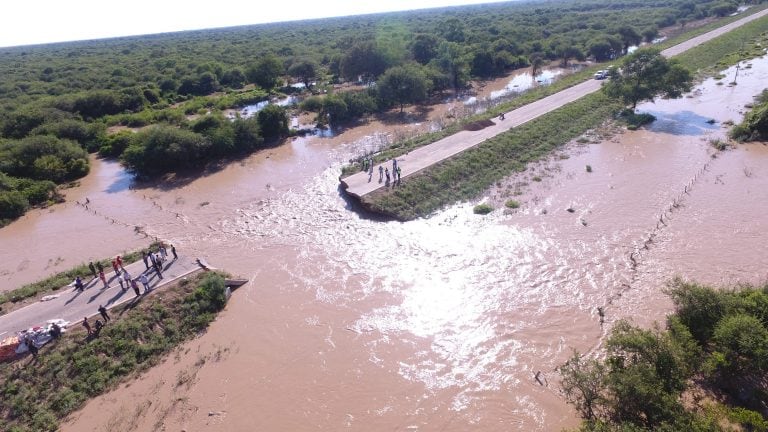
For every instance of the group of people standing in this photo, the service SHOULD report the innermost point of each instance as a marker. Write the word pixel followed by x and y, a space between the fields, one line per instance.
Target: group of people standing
pixel 152 261
pixel 385 175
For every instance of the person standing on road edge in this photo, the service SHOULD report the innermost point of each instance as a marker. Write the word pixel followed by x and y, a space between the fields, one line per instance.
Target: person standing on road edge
pixel 144 258
pixel 381 173
pixel 173 251
pixel 103 312
pixel 135 287
pixel 87 326
pixel 31 346
pixel 127 277
pixel 93 269
pixel 145 282
pixel 103 279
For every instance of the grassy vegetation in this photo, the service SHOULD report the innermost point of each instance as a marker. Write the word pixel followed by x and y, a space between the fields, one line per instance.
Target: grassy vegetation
pixel 482 209
pixel 746 42
pixel 512 204
pixel 468 174
pixel 37 394
pixel 62 279
pixel 698 31
pixel 755 124
pixel 634 120
pixel 473 171
pixel 706 371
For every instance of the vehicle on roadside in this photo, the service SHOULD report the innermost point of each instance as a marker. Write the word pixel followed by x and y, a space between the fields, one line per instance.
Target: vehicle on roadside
pixel 601 74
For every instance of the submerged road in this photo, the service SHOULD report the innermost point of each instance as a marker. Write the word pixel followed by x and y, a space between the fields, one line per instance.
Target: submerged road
pixel 361 184
pixel 71 305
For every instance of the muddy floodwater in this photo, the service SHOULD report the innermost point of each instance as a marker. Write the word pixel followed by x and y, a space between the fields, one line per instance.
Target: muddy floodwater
pixel 352 323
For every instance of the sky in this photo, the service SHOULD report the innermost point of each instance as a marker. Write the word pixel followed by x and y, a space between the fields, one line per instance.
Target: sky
pixel 26 22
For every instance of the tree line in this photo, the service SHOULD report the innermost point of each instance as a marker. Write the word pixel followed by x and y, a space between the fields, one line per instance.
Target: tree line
pixel 706 370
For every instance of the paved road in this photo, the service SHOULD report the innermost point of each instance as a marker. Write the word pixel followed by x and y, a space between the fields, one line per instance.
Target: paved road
pixel 361 184
pixel 71 305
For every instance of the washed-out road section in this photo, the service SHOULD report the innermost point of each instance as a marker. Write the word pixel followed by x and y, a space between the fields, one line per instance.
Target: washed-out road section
pixel 72 305
pixel 361 184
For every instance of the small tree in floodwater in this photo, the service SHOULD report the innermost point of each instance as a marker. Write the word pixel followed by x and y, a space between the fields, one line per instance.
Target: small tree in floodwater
pixel 646 74
pixel 584 385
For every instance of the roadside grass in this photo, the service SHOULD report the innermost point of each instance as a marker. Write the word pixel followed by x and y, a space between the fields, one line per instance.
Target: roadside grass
pixel 698 31
pixel 38 393
pixel 464 176
pixel 744 43
pixel 61 279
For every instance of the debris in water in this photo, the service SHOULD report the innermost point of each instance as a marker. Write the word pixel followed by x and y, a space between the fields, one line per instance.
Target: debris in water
pixel 570 210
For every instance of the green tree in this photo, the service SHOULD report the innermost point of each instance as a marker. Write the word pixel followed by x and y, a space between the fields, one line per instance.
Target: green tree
pixel 452 30
pixel 646 74
pixel 743 342
pixel 247 134
pixel 233 78
pixel 648 372
pixel 584 384
pixel 537 62
pixel 650 33
pixel 363 59
pixel 160 149
pixel 305 71
pixel 483 64
pixel 451 60
pixel 12 205
pixel 699 308
pixel 334 110
pixel 604 47
pixel 273 121
pixel 424 48
pixel 629 36
pixel 43 157
pixel 266 72
pixel 403 84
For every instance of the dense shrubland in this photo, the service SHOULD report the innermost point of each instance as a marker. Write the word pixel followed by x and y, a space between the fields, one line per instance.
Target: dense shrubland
pixel 73 92
pixel 706 371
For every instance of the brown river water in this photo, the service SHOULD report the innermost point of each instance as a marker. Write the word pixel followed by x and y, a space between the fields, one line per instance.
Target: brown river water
pixel 353 323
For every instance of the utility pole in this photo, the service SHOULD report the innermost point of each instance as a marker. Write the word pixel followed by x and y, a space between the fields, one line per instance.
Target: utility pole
pixel 738 63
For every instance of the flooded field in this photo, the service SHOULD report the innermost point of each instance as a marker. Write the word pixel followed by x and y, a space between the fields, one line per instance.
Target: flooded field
pixel 436 324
